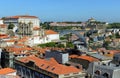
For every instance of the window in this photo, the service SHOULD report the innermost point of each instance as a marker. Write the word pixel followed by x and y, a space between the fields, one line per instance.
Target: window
pixel 42 65
pixel 97 72
pixel 106 75
pixel 47 67
pixel 52 69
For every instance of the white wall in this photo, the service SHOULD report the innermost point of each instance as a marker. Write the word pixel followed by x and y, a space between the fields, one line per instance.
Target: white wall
pixel 10 43
pixel 1 21
pixel 36 32
pixel 13 74
pixel 53 37
pixel 35 21
pixel 42 40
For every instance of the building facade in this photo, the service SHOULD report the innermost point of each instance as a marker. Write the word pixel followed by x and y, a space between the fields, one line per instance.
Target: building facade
pixel 1 21
pixel 23 19
pixel 105 70
pixel 34 67
pixel 59 56
pixel 3 29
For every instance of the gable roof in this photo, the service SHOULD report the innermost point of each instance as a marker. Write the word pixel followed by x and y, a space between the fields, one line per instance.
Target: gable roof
pixel 50 65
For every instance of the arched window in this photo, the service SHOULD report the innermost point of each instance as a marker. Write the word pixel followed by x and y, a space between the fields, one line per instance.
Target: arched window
pixel 106 75
pixel 97 72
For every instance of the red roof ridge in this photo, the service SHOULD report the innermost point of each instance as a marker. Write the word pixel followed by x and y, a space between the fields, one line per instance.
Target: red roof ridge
pixel 22 16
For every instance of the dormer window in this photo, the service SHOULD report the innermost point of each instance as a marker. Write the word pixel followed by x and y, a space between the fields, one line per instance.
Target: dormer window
pixel 47 67
pixel 52 69
pixel 42 65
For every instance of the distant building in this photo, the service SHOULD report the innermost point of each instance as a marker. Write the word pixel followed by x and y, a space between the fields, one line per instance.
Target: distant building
pixel 93 24
pixel 25 29
pixel 83 60
pixel 1 21
pixel 3 29
pixel 105 70
pixel 69 25
pixel 23 19
pixel 34 67
pixel 52 35
pixel 59 56
pixel 91 20
pixel 10 53
pixel 45 36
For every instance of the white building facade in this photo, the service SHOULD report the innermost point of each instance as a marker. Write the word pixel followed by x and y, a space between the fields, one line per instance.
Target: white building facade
pixel 1 21
pixel 22 19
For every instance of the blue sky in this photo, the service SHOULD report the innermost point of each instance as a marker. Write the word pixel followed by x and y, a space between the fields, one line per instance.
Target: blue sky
pixel 63 10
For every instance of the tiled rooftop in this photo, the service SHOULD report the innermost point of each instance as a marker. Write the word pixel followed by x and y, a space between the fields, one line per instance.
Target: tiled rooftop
pixel 5 71
pixel 84 57
pixel 21 16
pixel 50 65
pixel 48 32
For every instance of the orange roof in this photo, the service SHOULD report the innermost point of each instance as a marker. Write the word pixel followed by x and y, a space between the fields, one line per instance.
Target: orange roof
pixel 2 25
pixel 19 49
pixel 73 56
pixel 48 32
pixel 84 57
pixel 88 58
pixel 109 55
pixel 42 50
pixel 36 28
pixel 14 37
pixel 10 40
pixel 23 39
pixel 113 51
pixel 50 65
pixel 5 71
pixel 3 36
pixel 21 16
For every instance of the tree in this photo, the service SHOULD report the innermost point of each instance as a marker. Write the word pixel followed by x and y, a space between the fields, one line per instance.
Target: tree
pixel 60 45
pixel 114 25
pixel 106 44
pixel 11 26
pixel 117 35
pixel 45 25
pixel 69 45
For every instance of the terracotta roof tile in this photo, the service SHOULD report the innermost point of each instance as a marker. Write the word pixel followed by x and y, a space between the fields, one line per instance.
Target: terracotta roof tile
pixel 84 57
pixel 3 26
pixel 3 36
pixel 12 40
pixel 36 28
pixel 50 65
pixel 5 71
pixel 21 16
pixel 48 32
pixel 88 58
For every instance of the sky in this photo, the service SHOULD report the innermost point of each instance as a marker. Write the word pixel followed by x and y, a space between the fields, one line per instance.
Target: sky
pixel 63 10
